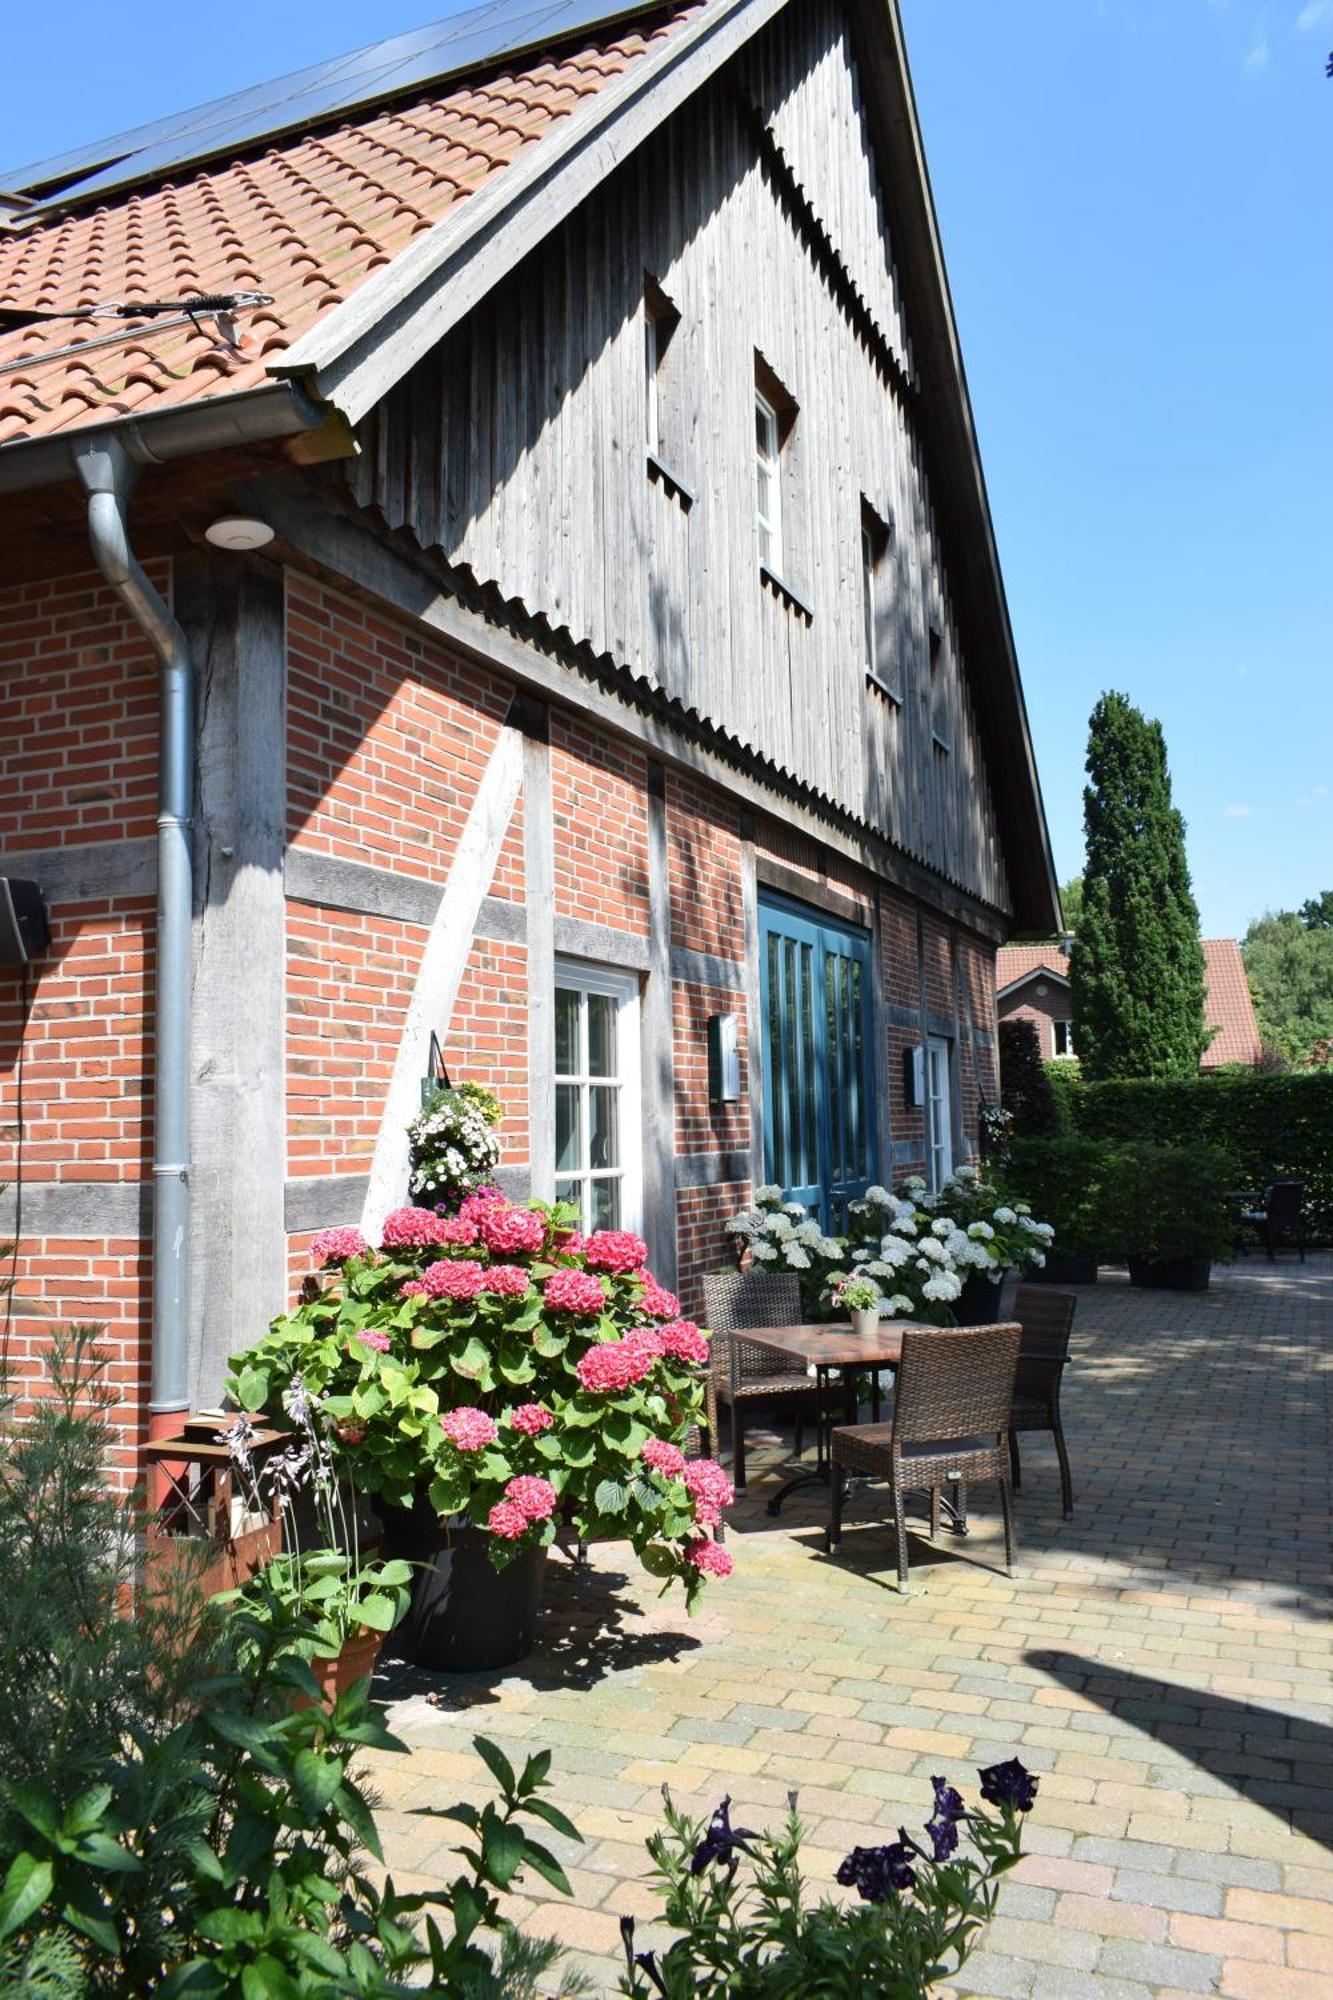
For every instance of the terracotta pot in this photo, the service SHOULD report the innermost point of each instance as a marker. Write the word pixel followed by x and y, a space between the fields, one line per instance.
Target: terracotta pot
pixel 357 1659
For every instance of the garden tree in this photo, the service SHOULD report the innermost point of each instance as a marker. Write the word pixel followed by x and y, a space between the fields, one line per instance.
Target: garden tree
pixel 1136 965
pixel 1025 1088
pixel 1289 964
pixel 1071 902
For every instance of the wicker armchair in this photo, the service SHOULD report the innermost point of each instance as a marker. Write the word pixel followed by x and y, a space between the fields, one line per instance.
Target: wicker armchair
pixel 950 1416
pixel 1280 1213
pixel 1047 1319
pixel 742 1373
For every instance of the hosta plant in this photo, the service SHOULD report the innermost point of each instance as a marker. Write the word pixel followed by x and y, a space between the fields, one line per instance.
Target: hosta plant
pixel 520 1375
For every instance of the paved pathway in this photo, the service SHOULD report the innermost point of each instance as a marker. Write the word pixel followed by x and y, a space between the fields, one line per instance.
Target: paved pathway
pixel 1163 1660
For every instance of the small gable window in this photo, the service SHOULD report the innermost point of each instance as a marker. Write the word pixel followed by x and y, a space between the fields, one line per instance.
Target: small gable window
pixel 768 481
pixel 777 477
pixel 660 402
pixel 877 604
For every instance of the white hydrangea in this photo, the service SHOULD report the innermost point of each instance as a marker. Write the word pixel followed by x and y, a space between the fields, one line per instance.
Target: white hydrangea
pixel 828 1246
pixel 861 1256
pixel 765 1252
pixel 931 1247
pixel 894 1250
pixel 1023 1208
pixel 900 1306
pixel 966 1174
pixel 768 1197
pixel 1005 1216
pixel 809 1232
pixel 943 1286
pixel 904 1225
pixel 1038 1258
pixel 981 1232
pixel 942 1226
pixel 795 1210
pixel 745 1224
pixel 797 1257
pixel 779 1228
pixel 916 1182
pixel 878 1197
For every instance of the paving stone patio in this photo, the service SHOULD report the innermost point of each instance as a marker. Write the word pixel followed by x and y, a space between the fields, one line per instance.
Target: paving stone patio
pixel 1163 1659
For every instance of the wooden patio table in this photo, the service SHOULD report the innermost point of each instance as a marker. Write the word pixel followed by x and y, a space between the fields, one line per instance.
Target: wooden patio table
pixel 827 1347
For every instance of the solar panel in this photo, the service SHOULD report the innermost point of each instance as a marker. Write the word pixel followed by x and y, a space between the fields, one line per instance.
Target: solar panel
pixel 385 69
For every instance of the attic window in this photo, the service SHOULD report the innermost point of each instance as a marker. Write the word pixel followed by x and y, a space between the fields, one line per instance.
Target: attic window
pixel 877 594
pixel 660 320
pixel 776 499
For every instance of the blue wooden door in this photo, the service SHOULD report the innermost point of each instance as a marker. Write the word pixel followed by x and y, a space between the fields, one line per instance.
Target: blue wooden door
pixel 819 1108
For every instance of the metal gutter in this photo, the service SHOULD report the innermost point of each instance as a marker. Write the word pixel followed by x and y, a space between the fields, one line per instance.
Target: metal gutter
pixel 252 416
pixel 108 474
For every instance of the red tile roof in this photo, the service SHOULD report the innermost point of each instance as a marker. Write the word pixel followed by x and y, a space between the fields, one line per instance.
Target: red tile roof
pixel 1228 1007
pixel 308 221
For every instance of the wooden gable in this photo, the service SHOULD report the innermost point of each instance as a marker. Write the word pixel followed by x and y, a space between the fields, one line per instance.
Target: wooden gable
pixel 752 221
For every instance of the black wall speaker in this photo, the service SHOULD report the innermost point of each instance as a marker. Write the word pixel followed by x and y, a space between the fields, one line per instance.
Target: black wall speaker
pixel 24 931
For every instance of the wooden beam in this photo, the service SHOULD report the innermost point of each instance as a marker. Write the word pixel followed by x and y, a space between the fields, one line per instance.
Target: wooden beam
pixel 441 970
pixel 231 609
pixel 658 1056
pixel 539 880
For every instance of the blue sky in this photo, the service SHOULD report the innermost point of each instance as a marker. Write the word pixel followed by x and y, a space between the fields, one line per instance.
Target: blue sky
pixel 1136 199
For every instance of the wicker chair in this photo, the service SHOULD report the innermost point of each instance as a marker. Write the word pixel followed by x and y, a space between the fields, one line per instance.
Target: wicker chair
pixel 950 1416
pixel 1280 1213
pixel 1047 1319
pixel 742 1373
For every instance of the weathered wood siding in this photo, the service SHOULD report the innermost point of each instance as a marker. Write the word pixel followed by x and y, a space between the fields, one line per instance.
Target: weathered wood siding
pixel 518 448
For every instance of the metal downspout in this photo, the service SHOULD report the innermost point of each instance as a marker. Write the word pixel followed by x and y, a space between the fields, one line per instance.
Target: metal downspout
pixel 108 474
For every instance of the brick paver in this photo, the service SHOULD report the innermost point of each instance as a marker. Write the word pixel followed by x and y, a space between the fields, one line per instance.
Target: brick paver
pixel 1163 1660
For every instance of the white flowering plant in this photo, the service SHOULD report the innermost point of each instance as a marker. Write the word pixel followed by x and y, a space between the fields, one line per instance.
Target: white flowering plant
pixel 1004 1233
pixel 453 1147
pixel 918 1249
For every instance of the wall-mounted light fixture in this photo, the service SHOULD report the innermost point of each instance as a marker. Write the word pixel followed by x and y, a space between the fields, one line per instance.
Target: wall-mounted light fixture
pixel 24 931
pixel 238 531
pixel 724 1058
pixel 914 1077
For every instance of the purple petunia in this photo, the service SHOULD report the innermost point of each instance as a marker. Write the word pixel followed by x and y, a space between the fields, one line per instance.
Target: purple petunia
pixel 1009 1785
pixel 876 1873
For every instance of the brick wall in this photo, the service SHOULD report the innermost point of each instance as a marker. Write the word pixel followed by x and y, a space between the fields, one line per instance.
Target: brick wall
pixel 703 1127
pixel 599 811
pixel 702 1243
pixel 704 867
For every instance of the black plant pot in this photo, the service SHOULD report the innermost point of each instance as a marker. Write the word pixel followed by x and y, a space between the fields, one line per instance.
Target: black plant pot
pixel 1171 1274
pixel 978 1304
pixel 1069 1269
pixel 466 1616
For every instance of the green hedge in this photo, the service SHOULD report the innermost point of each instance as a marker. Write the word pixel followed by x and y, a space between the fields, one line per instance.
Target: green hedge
pixel 1274 1127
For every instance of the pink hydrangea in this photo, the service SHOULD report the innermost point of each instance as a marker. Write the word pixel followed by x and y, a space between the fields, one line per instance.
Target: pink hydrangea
pixel 335 1246
pixel 535 1496
pixel 452 1279
pixel 570 1242
pixel 376 1337
pixel 510 1280
pixel 709 1558
pixel 683 1339
pixel 709 1488
pixel 469 1429
pixel 664 1457
pixel 648 1340
pixel 413 1289
pixel 410 1229
pixel 655 1299
pixel 613 1364
pixel 614 1250
pixel 507 1520
pixel 457 1229
pixel 481 1202
pixel 574 1291
pixel 531 1419
pixel 510 1229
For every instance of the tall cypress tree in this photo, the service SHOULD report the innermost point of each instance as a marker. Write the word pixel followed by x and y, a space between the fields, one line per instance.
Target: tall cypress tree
pixel 1136 966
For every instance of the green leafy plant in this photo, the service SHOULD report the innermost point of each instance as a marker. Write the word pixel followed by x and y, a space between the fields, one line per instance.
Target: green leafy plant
pixel 514 1373
pixel 1064 1181
pixel 850 1293
pixel 179 1814
pixel 1025 1085
pixel 1164 1202
pixel 746 1931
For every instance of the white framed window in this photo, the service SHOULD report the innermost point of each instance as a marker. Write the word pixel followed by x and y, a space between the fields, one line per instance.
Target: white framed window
pixel 598 1153
pixel 939 1112
pixel 1064 1038
pixel 876 603
pixel 768 481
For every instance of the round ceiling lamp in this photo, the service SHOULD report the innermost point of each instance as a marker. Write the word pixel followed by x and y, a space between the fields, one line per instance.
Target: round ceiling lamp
pixel 237 531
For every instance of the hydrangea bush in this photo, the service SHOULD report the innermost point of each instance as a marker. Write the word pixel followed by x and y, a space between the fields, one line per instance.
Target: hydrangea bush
pixel 452 1146
pixel 918 1247
pixel 519 1374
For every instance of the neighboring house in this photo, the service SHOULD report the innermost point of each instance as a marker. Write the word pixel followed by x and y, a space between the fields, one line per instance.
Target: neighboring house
pixel 1032 984
pixel 623 674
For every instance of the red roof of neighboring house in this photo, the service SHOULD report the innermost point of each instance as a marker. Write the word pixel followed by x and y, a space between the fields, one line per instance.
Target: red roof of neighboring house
pixel 308 220
pixel 1228 1006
